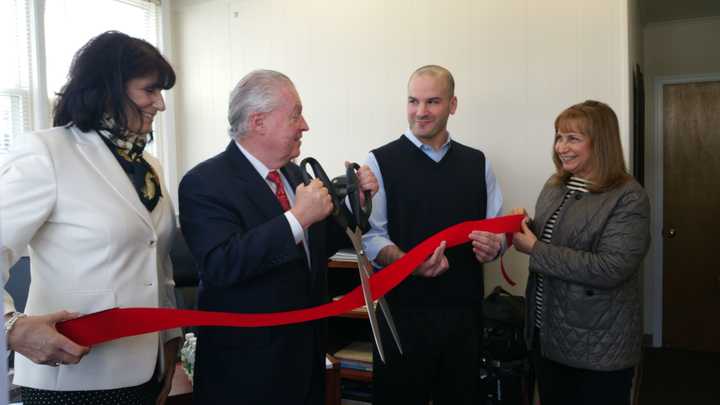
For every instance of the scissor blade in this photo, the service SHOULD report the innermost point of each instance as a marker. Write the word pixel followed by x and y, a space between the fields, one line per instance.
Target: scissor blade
pixel 391 323
pixel 355 238
pixel 364 266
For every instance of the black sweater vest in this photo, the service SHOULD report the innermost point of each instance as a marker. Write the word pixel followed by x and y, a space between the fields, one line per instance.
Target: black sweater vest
pixel 425 197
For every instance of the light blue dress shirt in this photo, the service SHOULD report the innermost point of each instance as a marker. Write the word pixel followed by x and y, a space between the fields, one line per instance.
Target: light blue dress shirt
pixel 377 237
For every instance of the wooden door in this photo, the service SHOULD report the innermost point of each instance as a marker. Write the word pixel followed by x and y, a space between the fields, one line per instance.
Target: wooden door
pixel 691 216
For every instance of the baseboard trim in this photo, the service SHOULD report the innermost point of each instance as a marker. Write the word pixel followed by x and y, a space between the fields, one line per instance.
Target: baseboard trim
pixel 647 340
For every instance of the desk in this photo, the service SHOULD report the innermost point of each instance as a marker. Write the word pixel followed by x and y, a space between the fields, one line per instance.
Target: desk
pixel 181 391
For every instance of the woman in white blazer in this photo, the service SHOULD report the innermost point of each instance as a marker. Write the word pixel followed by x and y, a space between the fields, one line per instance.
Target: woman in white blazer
pixel 89 205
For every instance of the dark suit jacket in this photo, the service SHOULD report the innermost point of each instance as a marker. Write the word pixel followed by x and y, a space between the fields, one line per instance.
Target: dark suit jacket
pixel 249 263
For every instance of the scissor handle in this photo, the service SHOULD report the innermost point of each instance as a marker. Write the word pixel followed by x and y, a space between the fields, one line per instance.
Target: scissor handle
pixel 362 214
pixel 319 173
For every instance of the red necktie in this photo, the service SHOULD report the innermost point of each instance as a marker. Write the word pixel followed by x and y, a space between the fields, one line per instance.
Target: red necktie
pixel 274 176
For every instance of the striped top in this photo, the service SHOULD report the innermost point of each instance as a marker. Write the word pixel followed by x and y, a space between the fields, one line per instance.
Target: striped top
pixel 575 185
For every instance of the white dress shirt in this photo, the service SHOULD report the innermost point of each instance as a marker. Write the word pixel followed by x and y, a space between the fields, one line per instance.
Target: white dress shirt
pixel 298 233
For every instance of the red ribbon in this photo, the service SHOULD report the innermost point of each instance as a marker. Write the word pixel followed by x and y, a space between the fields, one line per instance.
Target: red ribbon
pixel 507 278
pixel 116 323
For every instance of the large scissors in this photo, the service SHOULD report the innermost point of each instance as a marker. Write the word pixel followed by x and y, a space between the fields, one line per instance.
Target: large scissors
pixel 339 188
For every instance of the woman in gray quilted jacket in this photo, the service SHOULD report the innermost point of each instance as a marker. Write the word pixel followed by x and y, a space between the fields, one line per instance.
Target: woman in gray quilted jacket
pixel 586 245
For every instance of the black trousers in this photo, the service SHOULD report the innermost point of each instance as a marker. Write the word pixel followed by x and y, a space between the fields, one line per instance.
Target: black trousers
pixel 564 385
pixel 440 360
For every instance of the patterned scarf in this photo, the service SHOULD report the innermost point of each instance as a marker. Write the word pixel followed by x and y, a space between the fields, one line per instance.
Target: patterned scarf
pixel 128 150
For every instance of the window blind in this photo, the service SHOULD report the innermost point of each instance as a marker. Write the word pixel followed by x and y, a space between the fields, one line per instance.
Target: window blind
pixel 67 26
pixel 15 74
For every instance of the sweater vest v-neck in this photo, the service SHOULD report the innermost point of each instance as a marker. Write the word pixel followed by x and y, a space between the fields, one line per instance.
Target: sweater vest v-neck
pixel 425 197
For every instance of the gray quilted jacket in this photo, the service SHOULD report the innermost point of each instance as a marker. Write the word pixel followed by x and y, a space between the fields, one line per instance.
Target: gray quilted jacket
pixel 592 314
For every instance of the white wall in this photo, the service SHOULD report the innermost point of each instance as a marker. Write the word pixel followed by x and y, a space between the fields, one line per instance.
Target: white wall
pixel 517 64
pixel 672 50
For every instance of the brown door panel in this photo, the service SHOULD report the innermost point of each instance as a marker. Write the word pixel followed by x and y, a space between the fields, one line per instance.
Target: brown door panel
pixel 691 212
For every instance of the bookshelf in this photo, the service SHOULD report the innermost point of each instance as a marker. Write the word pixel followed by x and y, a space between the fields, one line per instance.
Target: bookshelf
pixel 349 329
pixel 356 375
pixel 342 264
pixel 337 289
pixel 359 313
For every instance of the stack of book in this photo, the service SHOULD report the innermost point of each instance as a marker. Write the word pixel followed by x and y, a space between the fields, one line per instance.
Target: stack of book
pixel 356 356
pixel 355 393
pixel 345 255
pixel 356 360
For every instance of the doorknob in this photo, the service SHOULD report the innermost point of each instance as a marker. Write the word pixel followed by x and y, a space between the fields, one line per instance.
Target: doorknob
pixel 670 233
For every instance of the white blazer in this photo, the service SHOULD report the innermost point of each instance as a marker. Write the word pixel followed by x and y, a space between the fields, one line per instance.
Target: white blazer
pixel 92 246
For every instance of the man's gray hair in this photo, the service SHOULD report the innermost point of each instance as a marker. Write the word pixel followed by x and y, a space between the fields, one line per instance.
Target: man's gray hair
pixel 256 92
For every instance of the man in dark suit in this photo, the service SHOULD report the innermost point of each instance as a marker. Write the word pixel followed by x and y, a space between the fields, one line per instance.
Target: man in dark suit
pixel 261 241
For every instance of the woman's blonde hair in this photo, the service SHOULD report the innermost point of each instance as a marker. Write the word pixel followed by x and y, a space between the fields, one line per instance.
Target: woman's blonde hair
pixel 598 122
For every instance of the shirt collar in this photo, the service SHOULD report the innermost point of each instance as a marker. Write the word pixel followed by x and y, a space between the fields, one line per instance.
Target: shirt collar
pixel 257 164
pixel 417 142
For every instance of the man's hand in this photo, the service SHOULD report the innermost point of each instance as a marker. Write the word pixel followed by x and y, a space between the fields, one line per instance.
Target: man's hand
pixel 525 240
pixel 435 265
pixel 312 203
pixel 486 245
pixel 36 338
pixel 368 182
pixel 389 255
pixel 171 350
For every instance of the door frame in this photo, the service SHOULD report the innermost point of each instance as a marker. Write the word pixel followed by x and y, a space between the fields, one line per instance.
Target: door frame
pixel 654 294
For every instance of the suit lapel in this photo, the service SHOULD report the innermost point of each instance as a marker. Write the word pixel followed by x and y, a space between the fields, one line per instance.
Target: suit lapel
pixel 101 159
pixel 260 195
pixel 294 177
pixel 292 174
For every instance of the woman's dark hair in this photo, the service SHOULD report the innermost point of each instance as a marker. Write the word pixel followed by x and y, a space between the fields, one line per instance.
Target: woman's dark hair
pixel 98 77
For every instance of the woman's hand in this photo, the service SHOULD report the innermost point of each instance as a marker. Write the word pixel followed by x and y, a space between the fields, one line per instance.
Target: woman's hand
pixel 518 211
pixel 171 350
pixel 524 240
pixel 36 338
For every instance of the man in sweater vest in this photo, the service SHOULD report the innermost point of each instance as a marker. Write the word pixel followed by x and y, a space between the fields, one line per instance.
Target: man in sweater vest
pixel 429 182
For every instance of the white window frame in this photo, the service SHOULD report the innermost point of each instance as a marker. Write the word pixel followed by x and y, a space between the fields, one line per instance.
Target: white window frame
pixel 23 90
pixel 37 104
